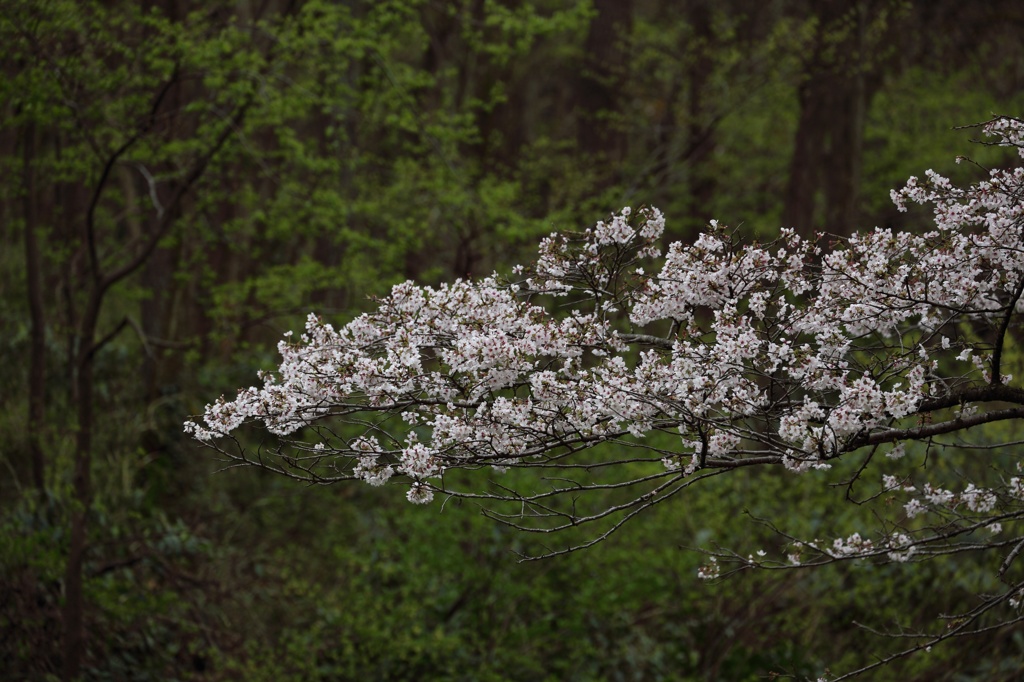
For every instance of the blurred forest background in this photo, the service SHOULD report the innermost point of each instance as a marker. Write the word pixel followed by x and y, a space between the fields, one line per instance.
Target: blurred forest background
pixel 183 180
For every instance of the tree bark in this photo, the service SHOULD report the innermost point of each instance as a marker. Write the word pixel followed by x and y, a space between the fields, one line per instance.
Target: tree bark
pixel 700 130
pixel 598 97
pixel 74 599
pixel 37 318
pixel 825 170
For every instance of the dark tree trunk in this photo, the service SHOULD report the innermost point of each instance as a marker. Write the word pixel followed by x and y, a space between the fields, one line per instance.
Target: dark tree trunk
pixel 825 170
pixel 598 88
pixel 844 159
pixel 37 319
pixel 74 599
pixel 700 131
pixel 808 151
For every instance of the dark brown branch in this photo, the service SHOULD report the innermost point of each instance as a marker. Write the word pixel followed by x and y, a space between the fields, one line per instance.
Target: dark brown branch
pixel 928 430
pixel 165 223
pixel 108 167
pixel 997 352
pixel 1008 561
pixel 648 340
pixel 975 394
pixel 107 338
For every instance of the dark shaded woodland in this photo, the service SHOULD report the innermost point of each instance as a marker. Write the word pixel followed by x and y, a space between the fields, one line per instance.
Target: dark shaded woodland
pixel 184 181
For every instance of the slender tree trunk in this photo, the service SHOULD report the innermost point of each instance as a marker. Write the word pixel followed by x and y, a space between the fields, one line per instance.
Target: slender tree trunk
pixel 805 166
pixel 157 277
pixel 845 155
pixel 700 131
pixel 598 97
pixel 37 319
pixel 825 171
pixel 74 600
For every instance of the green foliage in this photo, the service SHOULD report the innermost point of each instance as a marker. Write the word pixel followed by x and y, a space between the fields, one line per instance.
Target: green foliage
pixel 147 619
pixel 901 132
pixel 381 141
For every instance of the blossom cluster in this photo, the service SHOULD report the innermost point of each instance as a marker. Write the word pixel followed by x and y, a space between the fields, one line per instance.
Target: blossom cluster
pixel 792 352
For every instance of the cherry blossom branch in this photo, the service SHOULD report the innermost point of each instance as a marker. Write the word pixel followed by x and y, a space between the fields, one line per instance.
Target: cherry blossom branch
pixel 793 353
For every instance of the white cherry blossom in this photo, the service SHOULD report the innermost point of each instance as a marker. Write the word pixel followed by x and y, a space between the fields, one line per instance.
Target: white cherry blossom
pixel 606 365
